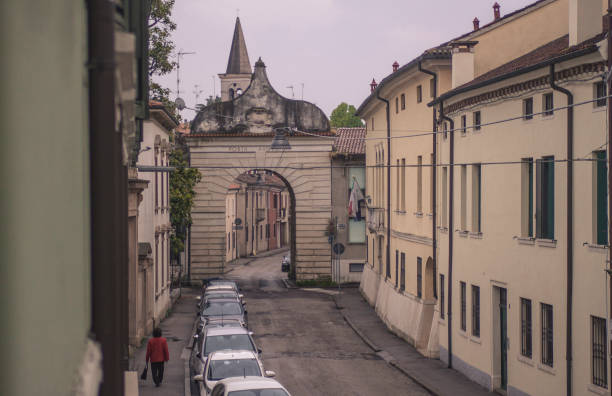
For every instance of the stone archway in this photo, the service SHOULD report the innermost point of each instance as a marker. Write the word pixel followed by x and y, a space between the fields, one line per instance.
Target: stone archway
pixel 305 169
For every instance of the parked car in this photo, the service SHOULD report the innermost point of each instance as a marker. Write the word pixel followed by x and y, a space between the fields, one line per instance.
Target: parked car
pixel 285 264
pixel 215 338
pixel 219 294
pixel 230 308
pixel 227 364
pixel 249 386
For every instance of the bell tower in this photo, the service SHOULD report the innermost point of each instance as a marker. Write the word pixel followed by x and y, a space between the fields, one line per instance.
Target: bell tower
pixel 237 77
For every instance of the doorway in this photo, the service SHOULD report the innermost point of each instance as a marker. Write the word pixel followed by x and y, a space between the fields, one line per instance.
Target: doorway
pixel 500 338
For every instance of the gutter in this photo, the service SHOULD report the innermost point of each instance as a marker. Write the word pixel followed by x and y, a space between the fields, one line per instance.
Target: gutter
pixel 515 73
pixel 388 263
pixel 434 173
pixel 570 225
pixel 451 195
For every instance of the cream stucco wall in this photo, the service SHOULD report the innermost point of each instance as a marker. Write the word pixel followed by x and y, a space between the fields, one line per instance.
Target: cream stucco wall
pixel 530 269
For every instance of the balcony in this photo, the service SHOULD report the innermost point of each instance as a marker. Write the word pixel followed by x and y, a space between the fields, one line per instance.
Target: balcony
pixel 261 214
pixel 376 220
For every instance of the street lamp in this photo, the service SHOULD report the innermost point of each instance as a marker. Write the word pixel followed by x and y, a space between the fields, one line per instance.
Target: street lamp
pixel 280 141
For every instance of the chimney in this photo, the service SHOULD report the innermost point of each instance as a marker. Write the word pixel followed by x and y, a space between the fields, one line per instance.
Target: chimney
pixel 496 14
pixel 373 85
pixel 584 20
pixel 462 62
pixel 476 23
pixel 395 66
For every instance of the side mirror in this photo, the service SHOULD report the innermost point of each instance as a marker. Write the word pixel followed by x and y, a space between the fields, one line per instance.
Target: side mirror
pixel 268 373
pixel 200 377
pixel 259 351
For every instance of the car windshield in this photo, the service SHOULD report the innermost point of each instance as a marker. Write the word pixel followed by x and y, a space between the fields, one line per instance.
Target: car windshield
pixel 259 392
pixel 219 369
pixel 229 341
pixel 212 296
pixel 216 308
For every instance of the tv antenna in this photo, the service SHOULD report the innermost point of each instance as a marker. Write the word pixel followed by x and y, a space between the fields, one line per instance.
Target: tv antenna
pixel 197 93
pixel 180 103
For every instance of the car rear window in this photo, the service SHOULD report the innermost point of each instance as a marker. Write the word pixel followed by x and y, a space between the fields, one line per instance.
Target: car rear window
pixel 230 341
pixel 226 368
pixel 216 308
pixel 259 392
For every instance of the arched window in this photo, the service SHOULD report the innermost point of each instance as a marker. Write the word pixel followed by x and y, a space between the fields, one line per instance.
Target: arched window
pixel 231 93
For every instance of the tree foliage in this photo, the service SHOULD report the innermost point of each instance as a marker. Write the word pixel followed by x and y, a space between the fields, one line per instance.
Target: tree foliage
pixel 161 45
pixel 344 116
pixel 182 192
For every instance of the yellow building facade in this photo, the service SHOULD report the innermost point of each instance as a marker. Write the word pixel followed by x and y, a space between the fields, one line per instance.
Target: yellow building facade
pixel 518 269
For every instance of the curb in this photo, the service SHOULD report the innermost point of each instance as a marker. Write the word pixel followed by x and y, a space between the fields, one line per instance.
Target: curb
pixel 359 333
pixel 289 284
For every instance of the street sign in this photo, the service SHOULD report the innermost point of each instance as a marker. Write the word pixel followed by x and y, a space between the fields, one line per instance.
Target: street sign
pixel 338 248
pixel 340 226
pixel 238 221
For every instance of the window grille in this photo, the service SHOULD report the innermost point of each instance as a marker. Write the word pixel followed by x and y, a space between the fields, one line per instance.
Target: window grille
pixel 475 311
pixel 419 94
pixel 526 347
pixel 463 307
pixel 548 105
pixel 528 109
pixel 463 124
pixel 600 94
pixel 547 335
pixel 598 340
pixel 476 117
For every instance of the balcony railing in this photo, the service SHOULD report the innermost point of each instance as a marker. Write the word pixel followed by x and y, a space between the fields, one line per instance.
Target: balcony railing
pixel 261 214
pixel 376 220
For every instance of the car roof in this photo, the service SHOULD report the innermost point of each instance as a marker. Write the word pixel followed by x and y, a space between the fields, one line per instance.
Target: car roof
pixel 249 382
pixel 230 354
pixel 221 286
pixel 214 331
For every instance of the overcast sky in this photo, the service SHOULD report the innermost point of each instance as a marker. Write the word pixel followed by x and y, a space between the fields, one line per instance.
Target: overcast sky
pixel 333 47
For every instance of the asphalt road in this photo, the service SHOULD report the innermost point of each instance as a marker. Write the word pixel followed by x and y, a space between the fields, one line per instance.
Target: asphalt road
pixel 306 341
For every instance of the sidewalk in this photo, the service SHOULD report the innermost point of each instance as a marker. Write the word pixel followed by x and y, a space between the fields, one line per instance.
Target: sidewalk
pixel 177 328
pixel 430 373
pixel 246 260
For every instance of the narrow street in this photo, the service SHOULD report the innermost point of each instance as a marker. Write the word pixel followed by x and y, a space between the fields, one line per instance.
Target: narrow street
pixel 306 341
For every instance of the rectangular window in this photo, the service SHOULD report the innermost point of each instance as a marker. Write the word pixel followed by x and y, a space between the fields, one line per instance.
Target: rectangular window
pixel 442 296
pixel 476 120
pixel 526 349
pixel 444 197
pixel 403 101
pixel 398 200
pixel 396 268
pixel 432 88
pixel 419 277
pixel 445 129
pixel 463 124
pixel 547 334
pixel 403 271
pixel 419 184
pixel 356 231
pixel 246 232
pixel 275 201
pixel 599 363
pixel 403 185
pixel 475 311
pixel 419 94
pixel 600 198
pixel 528 109
pixel 476 198
pixel 599 91
pixel 355 267
pixel 545 198
pixel 463 307
pixel 396 105
pixel 463 197
pixel 527 198
pixel 547 104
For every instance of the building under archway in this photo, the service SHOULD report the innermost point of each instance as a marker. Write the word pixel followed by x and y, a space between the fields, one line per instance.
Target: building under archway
pixel 234 136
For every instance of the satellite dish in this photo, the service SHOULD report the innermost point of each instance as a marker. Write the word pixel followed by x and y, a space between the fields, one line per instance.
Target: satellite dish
pixel 180 103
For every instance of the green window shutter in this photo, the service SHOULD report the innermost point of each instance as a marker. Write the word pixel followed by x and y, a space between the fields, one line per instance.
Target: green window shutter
pixel 602 198
pixel 550 198
pixel 539 228
pixel 530 189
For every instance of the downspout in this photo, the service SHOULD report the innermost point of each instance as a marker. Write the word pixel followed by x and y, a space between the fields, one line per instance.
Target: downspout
pixel 387 261
pixel 451 195
pixel 570 220
pixel 434 189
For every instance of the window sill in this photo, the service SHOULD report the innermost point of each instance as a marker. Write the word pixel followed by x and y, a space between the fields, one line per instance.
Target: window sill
pixel 463 334
pixel 418 214
pixel 443 229
pixel 463 234
pixel 475 235
pixel 597 389
pixel 430 215
pixel 475 340
pixel 547 369
pixel 477 129
pixel 596 246
pixel 401 212
pixel 526 360
pixel 548 116
pixel 526 240
pixel 547 242
pixel 597 109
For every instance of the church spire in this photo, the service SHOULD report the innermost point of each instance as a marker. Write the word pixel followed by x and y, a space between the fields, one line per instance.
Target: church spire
pixel 238 62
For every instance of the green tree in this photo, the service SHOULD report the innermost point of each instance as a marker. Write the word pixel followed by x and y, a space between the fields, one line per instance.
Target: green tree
pixel 344 116
pixel 182 192
pixel 161 47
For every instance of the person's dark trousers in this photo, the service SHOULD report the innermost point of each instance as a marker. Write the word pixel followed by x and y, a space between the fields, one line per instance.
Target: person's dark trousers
pixel 157 369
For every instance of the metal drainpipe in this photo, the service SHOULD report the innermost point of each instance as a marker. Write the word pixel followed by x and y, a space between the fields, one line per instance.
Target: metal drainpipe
pixel 387 262
pixel 434 189
pixel 451 224
pixel 609 148
pixel 570 221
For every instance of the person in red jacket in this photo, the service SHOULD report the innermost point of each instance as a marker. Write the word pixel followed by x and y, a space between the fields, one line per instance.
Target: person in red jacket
pixel 157 353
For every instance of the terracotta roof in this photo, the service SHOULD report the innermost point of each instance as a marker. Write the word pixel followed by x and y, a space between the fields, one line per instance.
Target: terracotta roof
pixel 555 50
pixel 266 179
pixel 170 122
pixel 234 186
pixel 184 128
pixel 350 140
pixel 249 134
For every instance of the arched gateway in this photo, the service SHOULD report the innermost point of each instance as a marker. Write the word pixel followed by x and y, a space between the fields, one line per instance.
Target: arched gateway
pixel 231 137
